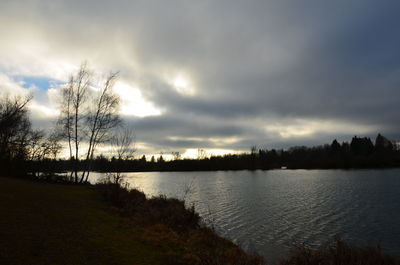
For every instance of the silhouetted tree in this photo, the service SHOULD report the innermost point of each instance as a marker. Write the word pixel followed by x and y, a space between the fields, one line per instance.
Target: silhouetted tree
pixel 201 153
pixel 335 147
pixel 383 144
pixel 41 148
pixel 160 159
pixel 361 146
pixel 19 143
pixel 15 128
pixel 74 96
pixel 176 155
pixel 253 150
pixel 81 120
pixel 122 143
pixel 102 118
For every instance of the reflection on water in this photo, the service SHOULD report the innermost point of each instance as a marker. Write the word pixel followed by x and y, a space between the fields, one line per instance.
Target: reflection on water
pixel 268 211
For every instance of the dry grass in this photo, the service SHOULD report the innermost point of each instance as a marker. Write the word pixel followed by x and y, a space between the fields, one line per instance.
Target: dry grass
pixel 339 253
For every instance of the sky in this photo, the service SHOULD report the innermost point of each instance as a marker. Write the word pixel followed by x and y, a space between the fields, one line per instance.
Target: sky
pixel 217 75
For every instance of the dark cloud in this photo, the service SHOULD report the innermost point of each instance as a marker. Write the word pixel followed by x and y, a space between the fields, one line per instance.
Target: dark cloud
pixel 253 65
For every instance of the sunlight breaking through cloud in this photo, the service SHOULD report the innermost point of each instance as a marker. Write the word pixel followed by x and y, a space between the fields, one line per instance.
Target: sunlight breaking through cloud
pixel 182 84
pixel 133 103
pixel 207 152
pixel 300 128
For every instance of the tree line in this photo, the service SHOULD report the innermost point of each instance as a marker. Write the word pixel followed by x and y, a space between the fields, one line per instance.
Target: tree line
pixel 361 152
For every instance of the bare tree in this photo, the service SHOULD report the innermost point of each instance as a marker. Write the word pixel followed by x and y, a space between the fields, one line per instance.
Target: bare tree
pixel 54 146
pixel 18 141
pixel 73 101
pixel 40 147
pixel 101 120
pixel 15 127
pixel 176 155
pixel 66 119
pixel 86 121
pixel 36 146
pixel 123 143
pixel 80 85
pixel 201 154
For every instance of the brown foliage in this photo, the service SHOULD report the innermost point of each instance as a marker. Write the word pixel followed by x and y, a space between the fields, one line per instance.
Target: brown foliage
pixel 176 230
pixel 171 212
pixel 339 253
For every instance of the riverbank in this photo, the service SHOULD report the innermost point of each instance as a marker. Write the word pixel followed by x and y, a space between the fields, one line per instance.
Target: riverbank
pixel 44 223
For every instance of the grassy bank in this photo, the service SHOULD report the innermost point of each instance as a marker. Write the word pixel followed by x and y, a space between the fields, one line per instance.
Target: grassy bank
pixel 61 224
pixel 45 223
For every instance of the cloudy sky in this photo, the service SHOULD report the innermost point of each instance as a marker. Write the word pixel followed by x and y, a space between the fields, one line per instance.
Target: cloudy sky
pixel 215 74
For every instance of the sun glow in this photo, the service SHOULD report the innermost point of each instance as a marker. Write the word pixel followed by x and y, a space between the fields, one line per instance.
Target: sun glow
pixel 308 128
pixel 203 153
pixel 133 102
pixel 182 84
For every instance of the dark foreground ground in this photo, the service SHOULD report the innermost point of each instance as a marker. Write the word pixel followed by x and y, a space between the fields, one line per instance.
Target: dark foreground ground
pixel 62 224
pixel 45 223
pixel 42 223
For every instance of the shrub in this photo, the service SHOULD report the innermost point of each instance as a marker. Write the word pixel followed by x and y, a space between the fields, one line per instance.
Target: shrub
pixel 130 202
pixel 210 248
pixel 172 226
pixel 171 212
